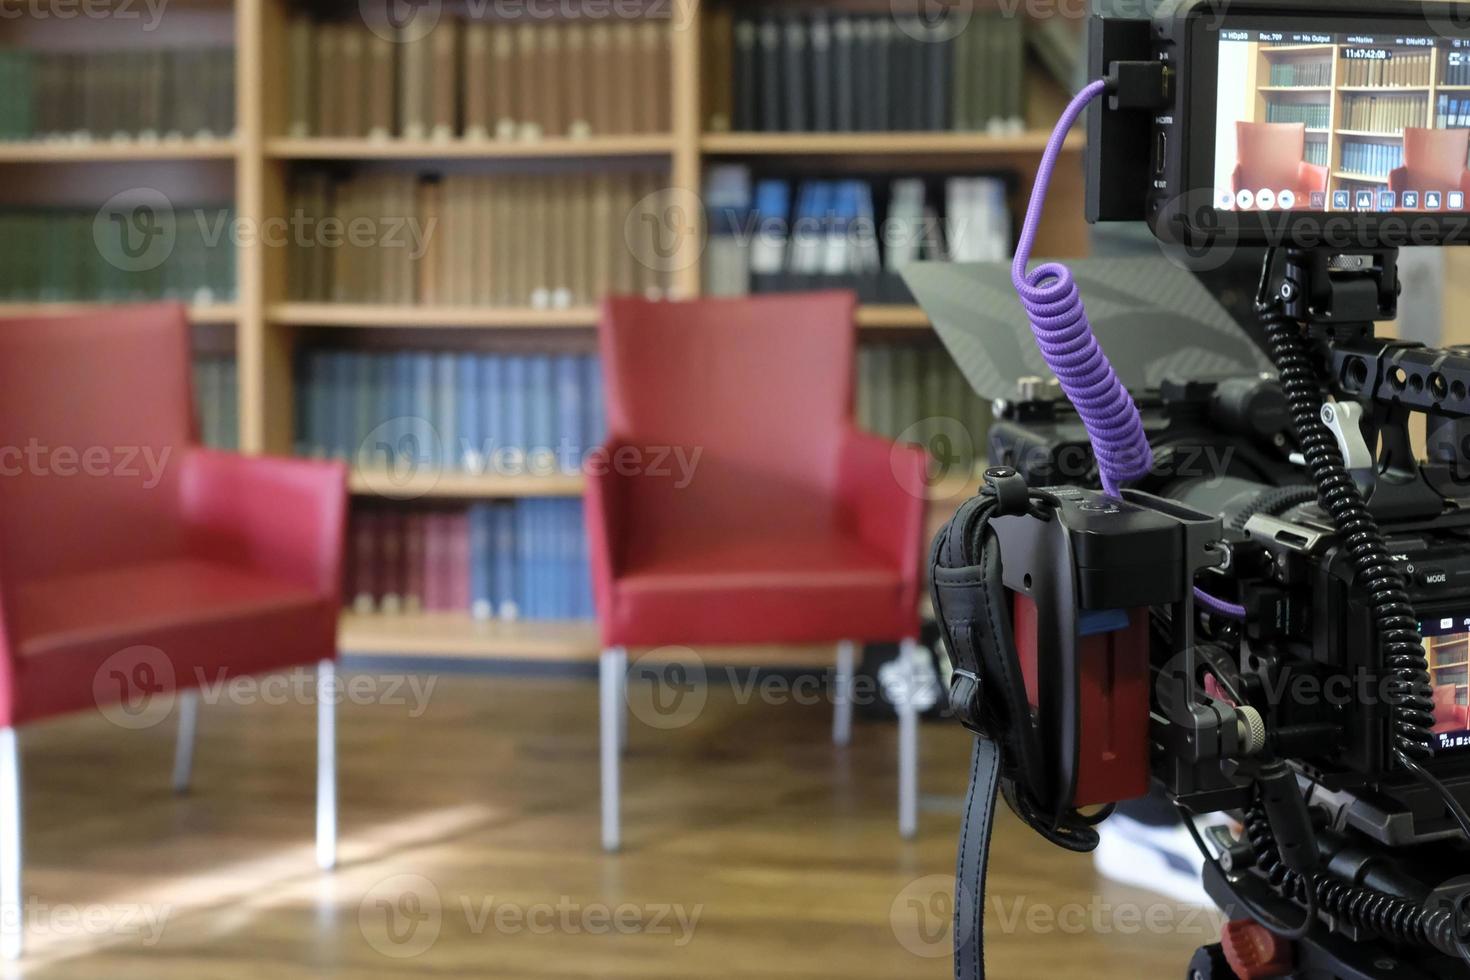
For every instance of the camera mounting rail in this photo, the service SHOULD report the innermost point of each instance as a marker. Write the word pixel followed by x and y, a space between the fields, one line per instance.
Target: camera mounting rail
pixel 1340 294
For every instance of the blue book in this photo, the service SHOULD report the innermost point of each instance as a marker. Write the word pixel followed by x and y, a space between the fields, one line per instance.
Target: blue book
pixel 446 417
pixel 317 404
pixel 482 563
pixel 382 408
pixel 586 606
pixel 595 404
pixel 400 396
pixel 542 394
pixel 504 544
pixel 569 445
pixel 492 412
pixel 471 439
pixel 525 570
pixel 342 418
pixel 418 443
pixel 361 374
pixel 517 416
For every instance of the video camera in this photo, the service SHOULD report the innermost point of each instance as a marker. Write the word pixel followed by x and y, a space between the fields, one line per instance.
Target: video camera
pixel 1282 637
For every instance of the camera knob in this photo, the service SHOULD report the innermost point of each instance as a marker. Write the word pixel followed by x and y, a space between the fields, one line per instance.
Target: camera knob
pixel 1252 729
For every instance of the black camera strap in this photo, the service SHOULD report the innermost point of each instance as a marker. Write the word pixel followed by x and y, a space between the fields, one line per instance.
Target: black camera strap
pixel 989 697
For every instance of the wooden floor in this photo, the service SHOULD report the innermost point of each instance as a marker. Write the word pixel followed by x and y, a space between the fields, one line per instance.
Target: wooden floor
pixel 469 849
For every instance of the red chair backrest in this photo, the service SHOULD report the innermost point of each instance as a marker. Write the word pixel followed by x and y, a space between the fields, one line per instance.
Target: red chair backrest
pixel 1270 154
pixel 760 386
pixel 1434 158
pixel 95 415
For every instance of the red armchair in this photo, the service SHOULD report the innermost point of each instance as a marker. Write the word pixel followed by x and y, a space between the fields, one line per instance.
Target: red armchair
pixel 1449 714
pixel 1269 156
pixel 790 526
pixel 135 566
pixel 1434 160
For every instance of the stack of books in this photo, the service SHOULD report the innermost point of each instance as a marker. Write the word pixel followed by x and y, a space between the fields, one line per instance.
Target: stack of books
pixel 1371 159
pixel 217 400
pixel 822 71
pixel 1301 74
pixel 479 79
pixel 775 234
pixel 1387 114
pixel 917 394
pixel 547 241
pixel 123 253
pixel 147 94
pixel 523 559
pixel 498 414
pixel 1399 68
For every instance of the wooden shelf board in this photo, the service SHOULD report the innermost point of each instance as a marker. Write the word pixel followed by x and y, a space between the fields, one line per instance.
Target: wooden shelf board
pixel 1390 89
pixel 388 315
pixel 896 315
pixel 877 144
pixel 108 151
pixel 328 148
pixel 1295 88
pixel 1359 178
pixel 458 635
pixel 206 313
pixel 464 485
pixel 1370 134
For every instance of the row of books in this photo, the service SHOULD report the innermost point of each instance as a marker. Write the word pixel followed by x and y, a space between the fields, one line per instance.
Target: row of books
pixel 1397 69
pixel 548 241
pixel 770 235
pixel 1316 151
pixel 522 559
pixel 1309 114
pixel 411 411
pixel 1456 69
pixel 121 255
pixel 1451 113
pixel 916 393
pixel 1383 113
pixel 158 93
pixel 816 72
pixel 479 79
pixel 1299 74
pixel 1372 159
pixel 216 398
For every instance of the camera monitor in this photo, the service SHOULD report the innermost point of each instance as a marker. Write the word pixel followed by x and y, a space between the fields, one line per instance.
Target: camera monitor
pixel 1343 123
pixel 1447 648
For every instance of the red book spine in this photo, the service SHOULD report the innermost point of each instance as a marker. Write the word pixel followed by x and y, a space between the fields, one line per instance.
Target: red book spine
pixel 390 562
pixel 365 540
pixel 413 562
pixel 434 598
pixel 458 564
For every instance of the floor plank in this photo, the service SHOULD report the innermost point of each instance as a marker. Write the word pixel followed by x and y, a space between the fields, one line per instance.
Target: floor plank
pixel 469 841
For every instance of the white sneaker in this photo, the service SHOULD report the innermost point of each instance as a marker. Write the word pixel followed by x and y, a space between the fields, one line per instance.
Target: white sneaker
pixel 1159 859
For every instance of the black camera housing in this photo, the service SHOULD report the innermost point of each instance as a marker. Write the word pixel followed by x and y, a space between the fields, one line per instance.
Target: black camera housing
pixel 1156 163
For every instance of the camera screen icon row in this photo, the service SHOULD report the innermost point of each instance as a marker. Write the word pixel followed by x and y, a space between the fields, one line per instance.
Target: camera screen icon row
pixel 1342 200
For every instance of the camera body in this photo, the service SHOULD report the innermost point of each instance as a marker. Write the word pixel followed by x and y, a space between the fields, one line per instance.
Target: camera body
pixel 1309 659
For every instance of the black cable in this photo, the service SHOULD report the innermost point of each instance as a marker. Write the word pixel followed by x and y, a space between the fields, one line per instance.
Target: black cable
pixel 1410 692
pixel 1273 502
pixel 1258 912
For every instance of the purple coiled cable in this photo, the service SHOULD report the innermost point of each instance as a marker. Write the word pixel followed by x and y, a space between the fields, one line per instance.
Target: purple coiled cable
pixel 1059 323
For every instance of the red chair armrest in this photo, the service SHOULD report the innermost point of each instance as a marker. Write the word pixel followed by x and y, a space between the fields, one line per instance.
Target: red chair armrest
pixel 284 517
pixel 1311 177
pixel 605 506
pixel 882 489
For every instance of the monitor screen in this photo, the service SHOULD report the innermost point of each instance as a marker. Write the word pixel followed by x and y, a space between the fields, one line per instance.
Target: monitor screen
pixel 1447 648
pixel 1343 122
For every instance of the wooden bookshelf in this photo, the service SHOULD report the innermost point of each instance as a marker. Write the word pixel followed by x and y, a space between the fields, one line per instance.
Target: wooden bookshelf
pixel 409 317
pixel 317 148
pixel 880 144
pixel 120 151
pixel 460 636
pixel 465 486
pixel 267 327
pixel 199 314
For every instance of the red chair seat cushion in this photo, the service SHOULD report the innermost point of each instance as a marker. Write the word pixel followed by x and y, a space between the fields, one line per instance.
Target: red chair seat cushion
pixel 751 588
pixel 206 617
